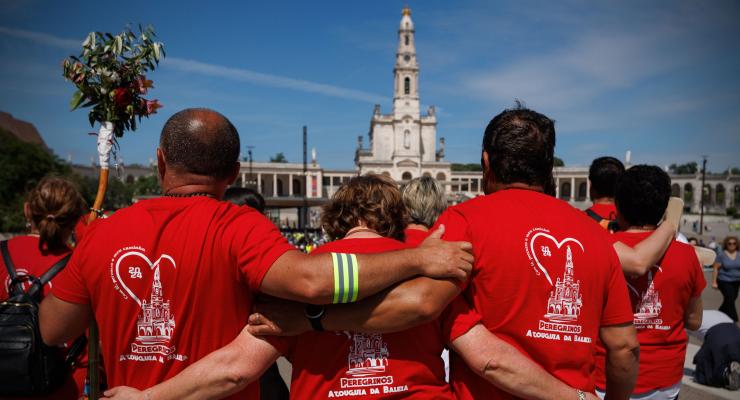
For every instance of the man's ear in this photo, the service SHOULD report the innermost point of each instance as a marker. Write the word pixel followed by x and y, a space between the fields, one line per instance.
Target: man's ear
pixel 485 162
pixel 488 178
pixel 161 164
pixel 235 173
pixel 27 211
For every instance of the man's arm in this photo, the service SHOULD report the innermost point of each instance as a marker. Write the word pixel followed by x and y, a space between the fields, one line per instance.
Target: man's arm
pixel 693 315
pixel 62 321
pixel 219 374
pixel 622 357
pixel 404 306
pixel 647 253
pixel 504 366
pixel 310 279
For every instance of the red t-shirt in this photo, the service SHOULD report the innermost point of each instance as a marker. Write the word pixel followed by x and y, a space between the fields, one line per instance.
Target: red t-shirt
pixel 358 365
pixel 545 278
pixel 606 211
pixel 659 301
pixel 414 237
pixel 170 280
pixel 28 260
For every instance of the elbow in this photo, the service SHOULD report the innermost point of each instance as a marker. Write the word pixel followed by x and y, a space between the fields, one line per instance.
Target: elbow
pixel 693 324
pixel 428 306
pixel 313 289
pixel 636 267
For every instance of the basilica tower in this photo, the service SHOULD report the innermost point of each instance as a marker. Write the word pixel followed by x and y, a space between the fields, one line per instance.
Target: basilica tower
pixel 402 144
pixel 406 71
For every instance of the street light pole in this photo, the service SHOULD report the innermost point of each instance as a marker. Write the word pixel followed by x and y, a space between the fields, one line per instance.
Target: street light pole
pixel 251 176
pixel 703 178
pixel 305 177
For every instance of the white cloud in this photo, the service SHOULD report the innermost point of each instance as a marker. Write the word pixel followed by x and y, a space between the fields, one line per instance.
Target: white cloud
pixel 42 38
pixel 219 71
pixel 246 75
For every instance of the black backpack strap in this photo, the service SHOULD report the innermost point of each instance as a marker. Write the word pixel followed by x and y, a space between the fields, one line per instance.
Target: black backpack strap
pixel 17 286
pixel 591 213
pixel 49 274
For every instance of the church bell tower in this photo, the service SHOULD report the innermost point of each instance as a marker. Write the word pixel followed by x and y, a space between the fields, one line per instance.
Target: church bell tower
pixel 406 70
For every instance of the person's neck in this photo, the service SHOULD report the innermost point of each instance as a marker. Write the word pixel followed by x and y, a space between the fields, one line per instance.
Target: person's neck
pixel 361 232
pixel 418 227
pixel 644 228
pixel 604 200
pixel 517 185
pixel 183 185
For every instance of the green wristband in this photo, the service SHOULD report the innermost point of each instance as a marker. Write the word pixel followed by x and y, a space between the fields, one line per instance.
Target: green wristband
pixel 346 277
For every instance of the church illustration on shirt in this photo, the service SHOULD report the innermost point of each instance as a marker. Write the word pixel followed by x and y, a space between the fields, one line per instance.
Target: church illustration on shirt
pixel 155 323
pixel 368 354
pixel 565 302
pixel 649 305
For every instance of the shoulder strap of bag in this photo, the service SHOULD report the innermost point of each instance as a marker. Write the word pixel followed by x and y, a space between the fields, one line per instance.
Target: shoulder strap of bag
pixel 18 286
pixel 49 274
pixel 591 213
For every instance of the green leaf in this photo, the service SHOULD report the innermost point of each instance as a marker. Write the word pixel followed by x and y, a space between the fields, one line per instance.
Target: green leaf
pixel 77 98
pixel 155 46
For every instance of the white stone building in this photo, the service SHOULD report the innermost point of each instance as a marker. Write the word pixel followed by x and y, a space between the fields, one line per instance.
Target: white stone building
pixel 403 144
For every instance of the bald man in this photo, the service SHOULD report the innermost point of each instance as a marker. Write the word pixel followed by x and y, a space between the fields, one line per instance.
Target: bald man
pixel 172 279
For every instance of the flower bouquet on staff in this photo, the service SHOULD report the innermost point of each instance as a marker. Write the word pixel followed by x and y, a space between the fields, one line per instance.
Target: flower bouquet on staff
pixel 110 78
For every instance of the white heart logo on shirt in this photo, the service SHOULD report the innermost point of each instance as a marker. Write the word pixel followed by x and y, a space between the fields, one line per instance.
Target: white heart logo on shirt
pixel 558 245
pixel 161 260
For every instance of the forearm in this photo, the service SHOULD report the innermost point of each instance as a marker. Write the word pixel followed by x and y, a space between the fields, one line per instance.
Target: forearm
pixel 647 253
pixel 504 366
pixel 715 272
pixel 221 373
pixel 621 373
pixel 408 304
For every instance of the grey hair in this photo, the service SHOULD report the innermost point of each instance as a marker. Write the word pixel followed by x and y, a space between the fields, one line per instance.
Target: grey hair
pixel 425 200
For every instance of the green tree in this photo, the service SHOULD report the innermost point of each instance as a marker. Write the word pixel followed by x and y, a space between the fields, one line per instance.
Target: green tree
pixel 147 186
pixel 558 162
pixel 684 169
pixel 466 167
pixel 22 165
pixel 279 158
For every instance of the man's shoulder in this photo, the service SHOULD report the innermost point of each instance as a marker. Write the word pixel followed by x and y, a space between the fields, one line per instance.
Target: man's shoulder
pixel 682 252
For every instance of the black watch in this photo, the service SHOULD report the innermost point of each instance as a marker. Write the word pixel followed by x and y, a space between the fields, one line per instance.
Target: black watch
pixel 314 314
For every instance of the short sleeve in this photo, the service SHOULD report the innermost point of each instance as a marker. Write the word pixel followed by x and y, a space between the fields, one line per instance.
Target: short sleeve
pixel 68 284
pixel 456 226
pixel 617 307
pixel 698 274
pixel 457 319
pixel 258 245
pixel 456 230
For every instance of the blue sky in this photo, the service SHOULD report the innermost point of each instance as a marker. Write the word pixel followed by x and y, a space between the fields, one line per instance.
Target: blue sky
pixel 659 78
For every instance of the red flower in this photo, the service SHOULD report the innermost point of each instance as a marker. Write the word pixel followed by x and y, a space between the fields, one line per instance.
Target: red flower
pixel 121 97
pixel 141 84
pixel 152 106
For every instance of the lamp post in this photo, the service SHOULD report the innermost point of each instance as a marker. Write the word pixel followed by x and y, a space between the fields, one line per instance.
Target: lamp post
pixel 701 204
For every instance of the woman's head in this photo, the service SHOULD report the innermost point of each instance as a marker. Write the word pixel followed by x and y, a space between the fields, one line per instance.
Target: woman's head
pixel 372 200
pixel 425 200
pixel 54 207
pixel 730 243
